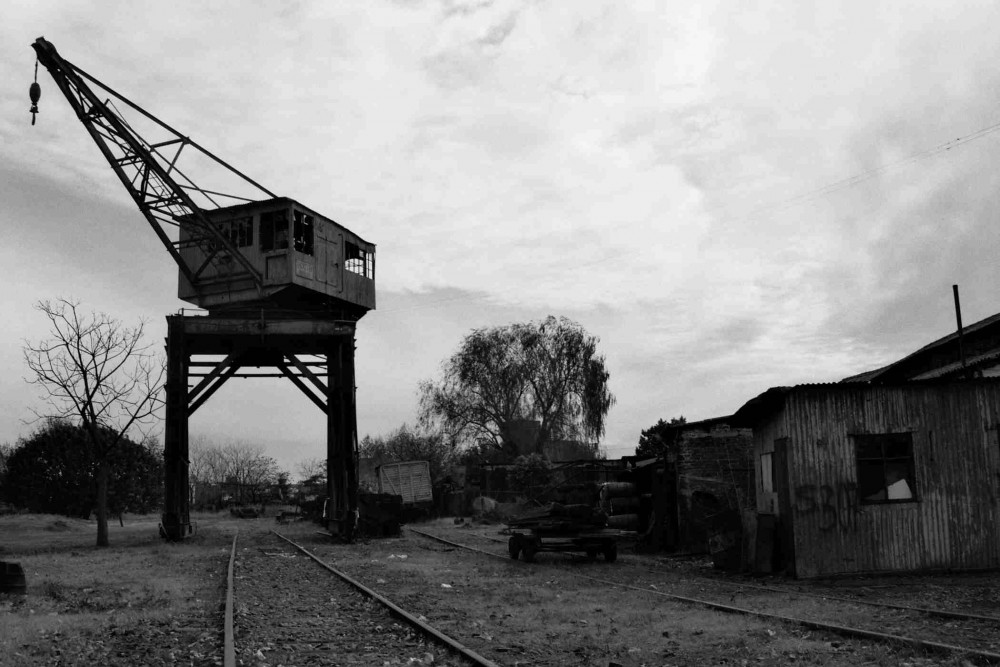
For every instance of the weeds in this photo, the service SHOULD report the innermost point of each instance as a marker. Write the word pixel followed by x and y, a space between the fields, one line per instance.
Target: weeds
pixel 52 589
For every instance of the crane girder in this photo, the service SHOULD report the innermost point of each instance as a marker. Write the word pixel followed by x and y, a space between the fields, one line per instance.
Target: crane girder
pixel 152 179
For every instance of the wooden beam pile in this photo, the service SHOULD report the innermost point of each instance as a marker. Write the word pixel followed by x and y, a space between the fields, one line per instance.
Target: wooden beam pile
pixel 556 517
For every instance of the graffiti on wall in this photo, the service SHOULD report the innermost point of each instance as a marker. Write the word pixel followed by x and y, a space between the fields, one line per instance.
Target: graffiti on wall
pixel 833 506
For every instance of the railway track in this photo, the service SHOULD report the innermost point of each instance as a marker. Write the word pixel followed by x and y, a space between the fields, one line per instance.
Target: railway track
pixel 969 634
pixel 287 607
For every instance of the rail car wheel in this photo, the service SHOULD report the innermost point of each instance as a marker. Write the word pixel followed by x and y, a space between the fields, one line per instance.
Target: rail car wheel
pixel 514 546
pixel 529 549
pixel 611 552
pixel 591 555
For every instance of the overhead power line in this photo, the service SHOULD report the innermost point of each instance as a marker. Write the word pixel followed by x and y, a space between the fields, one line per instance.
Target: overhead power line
pixel 860 177
pixel 780 204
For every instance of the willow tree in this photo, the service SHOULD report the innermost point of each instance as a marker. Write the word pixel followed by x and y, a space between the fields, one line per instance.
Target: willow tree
pixel 500 378
pixel 99 374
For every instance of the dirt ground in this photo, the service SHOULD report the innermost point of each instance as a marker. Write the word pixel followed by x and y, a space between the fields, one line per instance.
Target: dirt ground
pixel 549 613
pixel 143 601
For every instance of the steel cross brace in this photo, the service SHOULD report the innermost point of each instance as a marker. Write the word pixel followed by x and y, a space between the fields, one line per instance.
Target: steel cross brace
pixel 228 367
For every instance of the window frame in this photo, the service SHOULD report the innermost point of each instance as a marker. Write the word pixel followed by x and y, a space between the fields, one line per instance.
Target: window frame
pixel 899 441
pixel 239 231
pixel 269 231
pixel 303 232
pixel 358 260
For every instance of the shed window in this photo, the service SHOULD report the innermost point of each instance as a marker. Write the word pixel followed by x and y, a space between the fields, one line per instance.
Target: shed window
pixel 885 467
pixel 302 233
pixel 238 231
pixel 359 261
pixel 273 230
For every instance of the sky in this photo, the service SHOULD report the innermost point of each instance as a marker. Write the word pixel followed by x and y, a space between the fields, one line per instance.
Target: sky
pixel 731 196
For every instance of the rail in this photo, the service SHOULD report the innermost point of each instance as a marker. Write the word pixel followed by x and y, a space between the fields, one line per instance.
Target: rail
pixel 814 625
pixel 228 643
pixel 396 610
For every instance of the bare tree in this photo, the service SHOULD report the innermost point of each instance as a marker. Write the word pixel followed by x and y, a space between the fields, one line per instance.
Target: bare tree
pixel 311 469
pixel 206 472
pixel 250 472
pixel 95 370
pixel 312 479
pixel 239 469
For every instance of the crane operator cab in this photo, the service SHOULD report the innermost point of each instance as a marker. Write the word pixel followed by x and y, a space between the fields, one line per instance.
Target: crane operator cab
pixel 303 261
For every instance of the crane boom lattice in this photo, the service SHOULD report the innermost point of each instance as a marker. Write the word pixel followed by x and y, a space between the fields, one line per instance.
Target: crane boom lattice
pixel 150 171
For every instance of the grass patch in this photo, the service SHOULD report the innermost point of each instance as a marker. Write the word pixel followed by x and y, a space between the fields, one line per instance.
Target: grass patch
pixel 90 605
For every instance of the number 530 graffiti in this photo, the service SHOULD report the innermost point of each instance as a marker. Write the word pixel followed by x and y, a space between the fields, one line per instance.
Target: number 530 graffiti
pixel 835 505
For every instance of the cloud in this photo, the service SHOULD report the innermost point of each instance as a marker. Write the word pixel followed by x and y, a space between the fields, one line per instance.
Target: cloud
pixel 679 179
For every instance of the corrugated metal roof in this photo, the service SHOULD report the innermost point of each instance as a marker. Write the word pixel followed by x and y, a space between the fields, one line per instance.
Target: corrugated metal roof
pixel 972 328
pixel 759 406
pixel 971 362
pixel 868 376
pixel 774 398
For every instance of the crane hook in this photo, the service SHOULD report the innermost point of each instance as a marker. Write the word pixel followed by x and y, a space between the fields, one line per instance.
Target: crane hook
pixel 35 93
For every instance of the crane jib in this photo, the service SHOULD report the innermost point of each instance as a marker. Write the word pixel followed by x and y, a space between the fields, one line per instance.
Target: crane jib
pixel 159 196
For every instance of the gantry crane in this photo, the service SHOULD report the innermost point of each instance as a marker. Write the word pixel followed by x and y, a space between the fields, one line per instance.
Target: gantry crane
pixel 283 287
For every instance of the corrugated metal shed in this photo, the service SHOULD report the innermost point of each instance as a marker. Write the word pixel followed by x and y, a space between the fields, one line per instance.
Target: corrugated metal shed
pixel 811 434
pixel 410 479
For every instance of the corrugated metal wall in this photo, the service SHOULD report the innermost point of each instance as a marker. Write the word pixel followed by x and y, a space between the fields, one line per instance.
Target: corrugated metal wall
pixel 953 523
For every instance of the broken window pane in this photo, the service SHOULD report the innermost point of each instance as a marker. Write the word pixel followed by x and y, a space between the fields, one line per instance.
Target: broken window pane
pixel 273 230
pixel 266 232
pixel 869 449
pixel 238 231
pixel 352 258
pixel 871 479
pixel 897 448
pixel 358 260
pixel 885 467
pixel 302 233
pixel 242 232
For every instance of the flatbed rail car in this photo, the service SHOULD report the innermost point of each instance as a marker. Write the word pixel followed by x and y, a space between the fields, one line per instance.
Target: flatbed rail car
pixel 602 541
pixel 564 528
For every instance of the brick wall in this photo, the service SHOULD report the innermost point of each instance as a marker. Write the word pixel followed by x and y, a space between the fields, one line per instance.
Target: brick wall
pixel 714 481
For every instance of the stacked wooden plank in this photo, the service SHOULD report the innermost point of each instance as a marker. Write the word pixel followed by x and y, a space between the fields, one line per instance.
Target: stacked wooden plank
pixel 559 518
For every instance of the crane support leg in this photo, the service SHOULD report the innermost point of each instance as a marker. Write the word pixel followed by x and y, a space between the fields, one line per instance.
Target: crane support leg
pixel 246 344
pixel 341 441
pixel 176 519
